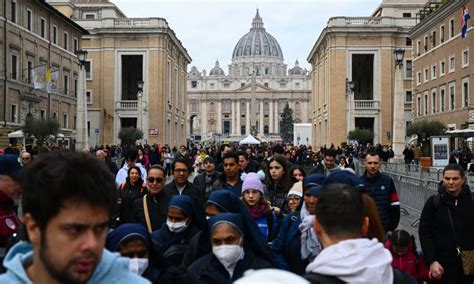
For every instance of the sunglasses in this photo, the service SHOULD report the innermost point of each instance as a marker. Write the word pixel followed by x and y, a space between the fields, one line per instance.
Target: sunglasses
pixel 152 179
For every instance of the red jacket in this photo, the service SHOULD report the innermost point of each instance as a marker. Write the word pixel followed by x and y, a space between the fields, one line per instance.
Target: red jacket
pixel 410 262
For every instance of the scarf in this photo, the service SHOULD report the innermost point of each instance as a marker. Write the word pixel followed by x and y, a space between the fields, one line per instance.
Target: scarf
pixel 310 246
pixel 257 213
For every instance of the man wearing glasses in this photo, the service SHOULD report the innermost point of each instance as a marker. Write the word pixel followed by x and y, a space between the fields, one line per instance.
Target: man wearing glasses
pixel 25 158
pixel 156 200
pixel 180 185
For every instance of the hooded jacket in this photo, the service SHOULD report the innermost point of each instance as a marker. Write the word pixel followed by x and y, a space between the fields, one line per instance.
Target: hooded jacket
pixel 112 268
pixel 355 261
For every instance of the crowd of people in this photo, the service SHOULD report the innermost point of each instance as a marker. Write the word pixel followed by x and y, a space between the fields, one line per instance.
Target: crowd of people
pixel 212 214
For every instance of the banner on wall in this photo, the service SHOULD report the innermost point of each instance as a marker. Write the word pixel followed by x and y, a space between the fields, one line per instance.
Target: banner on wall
pixel 440 150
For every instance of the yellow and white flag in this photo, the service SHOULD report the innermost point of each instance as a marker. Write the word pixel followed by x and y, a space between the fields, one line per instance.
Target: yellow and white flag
pixel 40 77
pixel 53 81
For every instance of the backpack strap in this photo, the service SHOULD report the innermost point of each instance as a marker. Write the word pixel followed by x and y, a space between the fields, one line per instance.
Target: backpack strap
pixel 399 277
pixel 122 186
pixel 147 215
pixel 316 278
pixel 269 219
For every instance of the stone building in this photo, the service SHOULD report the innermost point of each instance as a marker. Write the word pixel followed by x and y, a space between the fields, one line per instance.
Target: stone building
pixel 361 50
pixel 35 34
pixel 443 66
pixel 253 93
pixel 121 52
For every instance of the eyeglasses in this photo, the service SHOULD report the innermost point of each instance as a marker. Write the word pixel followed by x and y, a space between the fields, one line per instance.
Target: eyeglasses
pixel 25 159
pixel 295 199
pixel 152 179
pixel 181 170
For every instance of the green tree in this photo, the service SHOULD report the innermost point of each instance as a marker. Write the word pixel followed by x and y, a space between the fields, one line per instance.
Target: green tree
pixel 41 130
pixel 362 136
pixel 130 135
pixel 286 130
pixel 424 129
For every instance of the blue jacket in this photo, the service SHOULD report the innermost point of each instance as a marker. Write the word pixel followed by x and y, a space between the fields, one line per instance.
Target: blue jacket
pixel 286 247
pixel 382 190
pixel 267 231
pixel 112 268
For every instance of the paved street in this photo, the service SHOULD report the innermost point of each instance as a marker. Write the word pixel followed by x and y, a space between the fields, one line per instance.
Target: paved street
pixel 406 221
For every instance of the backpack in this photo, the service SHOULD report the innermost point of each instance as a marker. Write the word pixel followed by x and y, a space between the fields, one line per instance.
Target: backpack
pixel 9 223
pixel 399 277
pixel 174 254
pixel 122 186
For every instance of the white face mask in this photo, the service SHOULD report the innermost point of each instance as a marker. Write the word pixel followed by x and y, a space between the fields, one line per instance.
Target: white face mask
pixel 227 254
pixel 138 265
pixel 176 227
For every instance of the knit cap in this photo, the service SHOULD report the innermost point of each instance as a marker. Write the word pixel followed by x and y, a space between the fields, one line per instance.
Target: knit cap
pixel 296 189
pixel 252 181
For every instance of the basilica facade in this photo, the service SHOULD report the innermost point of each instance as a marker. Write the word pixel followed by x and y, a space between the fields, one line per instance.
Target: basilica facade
pixel 251 97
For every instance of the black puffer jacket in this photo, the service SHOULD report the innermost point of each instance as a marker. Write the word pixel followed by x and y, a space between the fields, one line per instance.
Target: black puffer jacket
pixel 382 190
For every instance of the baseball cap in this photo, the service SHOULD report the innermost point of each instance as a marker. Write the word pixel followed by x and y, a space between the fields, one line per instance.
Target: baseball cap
pixel 9 166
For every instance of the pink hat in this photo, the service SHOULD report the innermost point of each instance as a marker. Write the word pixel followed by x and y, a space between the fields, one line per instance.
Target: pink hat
pixel 252 181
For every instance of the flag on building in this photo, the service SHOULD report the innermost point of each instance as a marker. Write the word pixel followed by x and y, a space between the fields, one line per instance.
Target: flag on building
pixel 53 81
pixel 464 17
pixel 40 79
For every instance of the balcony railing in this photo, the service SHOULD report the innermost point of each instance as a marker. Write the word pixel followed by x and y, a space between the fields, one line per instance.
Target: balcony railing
pixel 127 105
pixel 370 22
pixel 366 105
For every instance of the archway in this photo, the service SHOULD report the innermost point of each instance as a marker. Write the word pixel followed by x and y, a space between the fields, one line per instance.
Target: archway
pixel 191 123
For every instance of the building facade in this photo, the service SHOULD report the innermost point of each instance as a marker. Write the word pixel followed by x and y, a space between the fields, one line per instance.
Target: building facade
pixel 121 52
pixel 251 97
pixel 361 50
pixel 443 66
pixel 34 34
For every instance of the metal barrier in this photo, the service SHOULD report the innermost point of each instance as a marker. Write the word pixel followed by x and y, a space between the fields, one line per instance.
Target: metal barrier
pixel 413 190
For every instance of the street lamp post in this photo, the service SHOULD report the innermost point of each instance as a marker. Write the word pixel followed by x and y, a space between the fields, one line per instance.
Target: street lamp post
pixel 350 101
pixel 140 106
pixel 399 124
pixel 82 139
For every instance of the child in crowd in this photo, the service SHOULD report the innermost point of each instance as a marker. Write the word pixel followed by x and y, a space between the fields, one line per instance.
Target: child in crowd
pixel 405 257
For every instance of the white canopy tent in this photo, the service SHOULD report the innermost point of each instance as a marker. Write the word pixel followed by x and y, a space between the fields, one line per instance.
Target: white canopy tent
pixel 20 134
pixel 249 140
pixel 16 134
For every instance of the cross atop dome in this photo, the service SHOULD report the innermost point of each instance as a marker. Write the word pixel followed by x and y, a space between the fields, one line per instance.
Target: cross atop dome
pixel 257 22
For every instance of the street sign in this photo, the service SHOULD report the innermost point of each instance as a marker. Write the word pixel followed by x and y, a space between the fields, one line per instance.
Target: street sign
pixel 97 130
pixel 152 131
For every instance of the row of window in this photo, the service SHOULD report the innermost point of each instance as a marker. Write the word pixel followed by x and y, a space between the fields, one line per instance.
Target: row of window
pixel 65 123
pixel 431 40
pixel 29 24
pixel 442 68
pixel 432 103
pixel 194 84
pixel 26 75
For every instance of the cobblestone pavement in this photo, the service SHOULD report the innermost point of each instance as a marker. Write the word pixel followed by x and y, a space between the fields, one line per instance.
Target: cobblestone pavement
pixel 407 219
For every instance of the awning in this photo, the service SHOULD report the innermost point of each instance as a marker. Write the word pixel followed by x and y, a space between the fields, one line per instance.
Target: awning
pixel 249 140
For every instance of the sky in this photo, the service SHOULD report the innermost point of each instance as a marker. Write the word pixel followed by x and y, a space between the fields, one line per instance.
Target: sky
pixel 209 30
